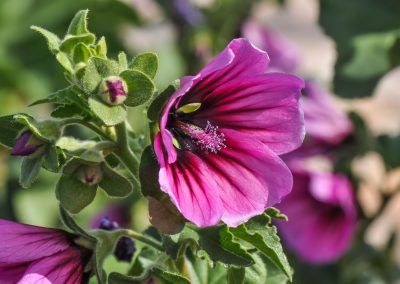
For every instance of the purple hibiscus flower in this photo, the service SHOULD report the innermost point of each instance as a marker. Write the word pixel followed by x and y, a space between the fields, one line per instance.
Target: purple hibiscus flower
pixel 325 122
pixel 221 134
pixel 322 216
pixel 30 254
pixel 283 54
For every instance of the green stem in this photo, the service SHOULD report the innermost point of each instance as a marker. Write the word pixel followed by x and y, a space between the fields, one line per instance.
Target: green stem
pixel 89 125
pixel 142 238
pixel 124 152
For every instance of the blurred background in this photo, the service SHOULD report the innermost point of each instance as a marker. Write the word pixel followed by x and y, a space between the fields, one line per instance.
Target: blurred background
pixel 350 48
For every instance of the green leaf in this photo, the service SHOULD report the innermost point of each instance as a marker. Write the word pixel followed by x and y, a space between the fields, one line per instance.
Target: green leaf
pixel 345 22
pixel 140 87
pixel 30 169
pixel 53 42
pixel 145 62
pixel 72 144
pixel 257 273
pixel 78 24
pixel 50 159
pixel 265 239
pixel 236 275
pixel 148 173
pixel 101 48
pixel 63 59
pixel 96 69
pixel 220 246
pixel 201 272
pixel 169 276
pixel 73 195
pixel 274 213
pixel 110 115
pixel 159 102
pixel 70 223
pixel 69 42
pixel 9 130
pixel 122 61
pixel 48 130
pixel 114 184
pixel 81 53
pixel 274 274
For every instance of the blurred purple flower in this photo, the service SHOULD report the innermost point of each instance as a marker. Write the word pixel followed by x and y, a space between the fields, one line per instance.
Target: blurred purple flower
pixel 188 12
pixel 115 212
pixel 26 144
pixel 322 216
pixel 324 121
pixel 221 134
pixel 30 254
pixel 282 53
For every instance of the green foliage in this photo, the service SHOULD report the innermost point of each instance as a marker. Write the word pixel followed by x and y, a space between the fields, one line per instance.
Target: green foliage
pixel 30 169
pixel 9 130
pixel 109 115
pixel 148 173
pixel 365 48
pixel 73 194
pixel 140 87
pixel 114 184
pixel 145 62
pixel 262 236
pixel 157 105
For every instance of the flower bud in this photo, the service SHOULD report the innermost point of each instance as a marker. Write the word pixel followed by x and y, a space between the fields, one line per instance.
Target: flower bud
pixel 125 248
pixel 113 90
pixel 90 174
pixel 26 144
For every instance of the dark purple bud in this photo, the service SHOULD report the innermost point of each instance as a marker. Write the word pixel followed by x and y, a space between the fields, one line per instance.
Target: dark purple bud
pixel 90 174
pixel 113 90
pixel 125 248
pixel 26 144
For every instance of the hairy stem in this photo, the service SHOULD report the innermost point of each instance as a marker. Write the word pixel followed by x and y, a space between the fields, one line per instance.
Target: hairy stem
pixel 144 239
pixel 88 125
pixel 125 154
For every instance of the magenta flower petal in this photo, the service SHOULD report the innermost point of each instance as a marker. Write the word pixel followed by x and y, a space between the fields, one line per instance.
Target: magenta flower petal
pixel 188 182
pixel 324 121
pixel 30 254
pixel 16 242
pixel 264 106
pixel 209 167
pixel 322 216
pixel 62 267
pixel 243 175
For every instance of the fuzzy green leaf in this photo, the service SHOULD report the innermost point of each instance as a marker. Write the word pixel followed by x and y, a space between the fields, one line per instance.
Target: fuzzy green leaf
pixel 220 246
pixel 114 184
pixel 78 24
pixel 110 115
pixel 63 59
pixel 9 130
pixel 70 42
pixel 81 53
pixel 30 169
pixel 159 102
pixel 148 173
pixel 53 42
pixel 101 48
pixel 48 130
pixel 264 238
pixel 122 61
pixel 140 87
pixel 145 62
pixel 73 195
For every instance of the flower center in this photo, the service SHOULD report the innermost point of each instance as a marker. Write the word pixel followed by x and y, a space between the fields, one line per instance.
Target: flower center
pixel 208 139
